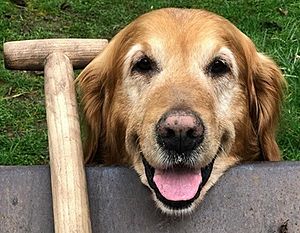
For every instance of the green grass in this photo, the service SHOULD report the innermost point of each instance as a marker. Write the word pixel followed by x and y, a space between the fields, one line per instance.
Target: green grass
pixel 272 25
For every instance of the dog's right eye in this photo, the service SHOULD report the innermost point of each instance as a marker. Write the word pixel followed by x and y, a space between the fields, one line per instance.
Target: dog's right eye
pixel 218 67
pixel 144 65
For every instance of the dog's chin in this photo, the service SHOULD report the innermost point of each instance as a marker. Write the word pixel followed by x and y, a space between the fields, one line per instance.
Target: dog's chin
pixel 177 189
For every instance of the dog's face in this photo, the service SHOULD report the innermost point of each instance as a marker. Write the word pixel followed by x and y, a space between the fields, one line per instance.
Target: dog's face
pixel 181 95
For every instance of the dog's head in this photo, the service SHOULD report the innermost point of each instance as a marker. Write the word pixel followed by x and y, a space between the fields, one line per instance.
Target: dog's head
pixel 181 95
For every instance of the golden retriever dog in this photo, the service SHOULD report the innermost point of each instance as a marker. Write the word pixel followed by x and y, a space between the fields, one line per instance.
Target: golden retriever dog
pixel 180 95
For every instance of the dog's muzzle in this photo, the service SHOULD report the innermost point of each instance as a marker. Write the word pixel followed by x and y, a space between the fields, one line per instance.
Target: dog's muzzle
pixel 179 133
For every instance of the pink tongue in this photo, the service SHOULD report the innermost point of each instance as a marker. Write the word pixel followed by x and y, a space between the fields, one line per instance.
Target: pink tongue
pixel 179 185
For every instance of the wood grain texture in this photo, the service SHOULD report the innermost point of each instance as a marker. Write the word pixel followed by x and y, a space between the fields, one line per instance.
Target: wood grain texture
pixel 31 54
pixel 68 180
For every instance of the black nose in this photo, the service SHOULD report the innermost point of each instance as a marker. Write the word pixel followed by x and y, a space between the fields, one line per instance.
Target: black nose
pixel 180 131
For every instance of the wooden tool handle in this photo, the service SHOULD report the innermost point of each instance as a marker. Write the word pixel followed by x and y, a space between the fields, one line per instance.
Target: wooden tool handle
pixel 31 54
pixel 69 188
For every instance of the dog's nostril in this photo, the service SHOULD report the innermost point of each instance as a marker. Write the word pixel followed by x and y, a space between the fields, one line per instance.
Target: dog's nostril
pixel 191 133
pixel 180 131
pixel 170 133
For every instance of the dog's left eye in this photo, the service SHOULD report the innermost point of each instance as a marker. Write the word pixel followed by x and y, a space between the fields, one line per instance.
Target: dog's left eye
pixel 218 67
pixel 144 65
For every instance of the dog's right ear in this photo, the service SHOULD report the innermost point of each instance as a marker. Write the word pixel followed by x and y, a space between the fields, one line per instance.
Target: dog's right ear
pixel 266 86
pixel 95 84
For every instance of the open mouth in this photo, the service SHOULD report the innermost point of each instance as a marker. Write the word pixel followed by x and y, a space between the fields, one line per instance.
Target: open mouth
pixel 177 188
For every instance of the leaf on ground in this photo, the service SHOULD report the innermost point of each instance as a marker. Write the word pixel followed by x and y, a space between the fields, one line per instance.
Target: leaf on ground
pixel 283 11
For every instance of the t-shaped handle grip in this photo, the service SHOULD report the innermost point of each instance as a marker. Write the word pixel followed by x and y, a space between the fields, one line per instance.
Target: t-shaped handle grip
pixel 31 54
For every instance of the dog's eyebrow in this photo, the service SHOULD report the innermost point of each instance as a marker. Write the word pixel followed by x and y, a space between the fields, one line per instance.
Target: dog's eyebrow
pixel 128 56
pixel 132 51
pixel 226 52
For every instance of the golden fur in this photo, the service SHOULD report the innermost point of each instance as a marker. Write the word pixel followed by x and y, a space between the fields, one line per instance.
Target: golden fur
pixel 239 110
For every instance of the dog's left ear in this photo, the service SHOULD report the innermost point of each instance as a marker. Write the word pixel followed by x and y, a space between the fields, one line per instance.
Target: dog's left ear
pixel 265 88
